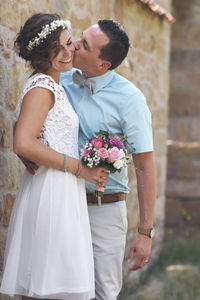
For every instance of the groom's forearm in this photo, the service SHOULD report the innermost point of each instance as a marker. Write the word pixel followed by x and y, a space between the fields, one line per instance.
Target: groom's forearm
pixel 146 187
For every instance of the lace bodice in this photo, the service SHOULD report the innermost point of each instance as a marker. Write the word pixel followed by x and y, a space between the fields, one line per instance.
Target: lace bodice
pixel 60 129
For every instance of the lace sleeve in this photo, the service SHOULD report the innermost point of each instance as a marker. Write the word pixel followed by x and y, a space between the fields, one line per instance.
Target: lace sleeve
pixel 60 128
pixel 37 80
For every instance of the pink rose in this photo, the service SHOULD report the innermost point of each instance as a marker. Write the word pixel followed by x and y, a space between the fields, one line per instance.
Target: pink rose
pixel 114 154
pixel 97 143
pixel 103 153
pixel 86 152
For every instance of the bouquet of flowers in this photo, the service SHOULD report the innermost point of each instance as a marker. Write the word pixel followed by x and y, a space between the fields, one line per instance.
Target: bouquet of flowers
pixel 106 150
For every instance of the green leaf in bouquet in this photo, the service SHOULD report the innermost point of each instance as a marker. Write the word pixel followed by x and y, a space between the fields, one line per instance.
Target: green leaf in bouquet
pixel 103 132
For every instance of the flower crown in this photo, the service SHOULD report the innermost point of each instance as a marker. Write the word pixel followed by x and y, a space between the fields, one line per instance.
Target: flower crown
pixel 46 30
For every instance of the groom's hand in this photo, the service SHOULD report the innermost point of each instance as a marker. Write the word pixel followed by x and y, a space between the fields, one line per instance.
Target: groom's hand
pixel 140 251
pixel 30 166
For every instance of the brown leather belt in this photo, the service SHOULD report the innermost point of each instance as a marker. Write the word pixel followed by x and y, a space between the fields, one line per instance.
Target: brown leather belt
pixel 106 198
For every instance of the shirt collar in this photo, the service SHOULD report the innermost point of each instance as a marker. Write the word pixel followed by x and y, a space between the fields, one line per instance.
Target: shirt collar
pixel 102 80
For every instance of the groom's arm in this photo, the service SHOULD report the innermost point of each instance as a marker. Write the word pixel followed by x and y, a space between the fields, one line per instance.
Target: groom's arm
pixel 30 165
pixel 146 186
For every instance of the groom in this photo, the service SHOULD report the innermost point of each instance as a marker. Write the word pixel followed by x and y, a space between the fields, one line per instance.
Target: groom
pixel 112 103
pixel 116 105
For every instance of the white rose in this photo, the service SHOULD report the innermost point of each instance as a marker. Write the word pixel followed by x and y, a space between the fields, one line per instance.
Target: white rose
pixel 122 153
pixel 118 164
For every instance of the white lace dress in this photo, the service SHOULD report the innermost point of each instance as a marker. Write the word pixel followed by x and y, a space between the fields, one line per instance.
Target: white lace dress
pixel 49 249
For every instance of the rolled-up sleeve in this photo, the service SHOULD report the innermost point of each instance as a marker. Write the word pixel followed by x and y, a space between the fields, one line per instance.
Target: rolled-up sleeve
pixel 136 123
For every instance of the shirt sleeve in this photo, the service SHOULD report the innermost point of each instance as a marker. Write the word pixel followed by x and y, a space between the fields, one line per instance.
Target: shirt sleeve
pixel 136 124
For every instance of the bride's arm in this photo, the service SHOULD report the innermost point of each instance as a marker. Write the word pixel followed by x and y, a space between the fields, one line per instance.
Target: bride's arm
pixel 35 107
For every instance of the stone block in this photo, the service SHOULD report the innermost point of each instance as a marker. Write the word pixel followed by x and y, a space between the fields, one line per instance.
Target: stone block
pixel 3 80
pixel 178 128
pixel 173 211
pixel 105 9
pixel 159 214
pixel 183 188
pixel 184 103
pixel 159 118
pixel 195 129
pixel 8 205
pixel 185 74
pixel 161 181
pixel 7 45
pixel 185 81
pixel 11 170
pixel 10 11
pixel 185 59
pixel 83 22
pixel 5 130
pixel 24 13
pixel 16 82
pixel 184 169
pixel 4 297
pixel 132 199
pixel 162 55
pixel 183 160
pixel 1 212
pixel 118 9
pixel 165 4
pixel 185 34
pixel 186 28
pixel 3 233
pixel 159 166
pixel 63 7
pixel 182 150
pixel 142 59
pixel 160 144
pixel 192 207
pixel 16 172
pixel 4 171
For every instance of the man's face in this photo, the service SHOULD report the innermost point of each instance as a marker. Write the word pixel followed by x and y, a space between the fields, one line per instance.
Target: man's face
pixel 86 56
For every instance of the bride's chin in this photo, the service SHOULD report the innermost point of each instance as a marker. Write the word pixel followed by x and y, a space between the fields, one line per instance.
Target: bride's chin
pixel 68 68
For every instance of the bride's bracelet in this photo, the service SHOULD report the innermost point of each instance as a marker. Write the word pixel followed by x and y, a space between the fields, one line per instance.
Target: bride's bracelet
pixel 79 169
pixel 65 163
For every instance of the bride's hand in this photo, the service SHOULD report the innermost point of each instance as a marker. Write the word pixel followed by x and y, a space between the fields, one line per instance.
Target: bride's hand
pixel 97 175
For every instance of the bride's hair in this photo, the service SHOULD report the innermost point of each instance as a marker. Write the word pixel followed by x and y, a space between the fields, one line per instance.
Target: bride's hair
pixel 38 55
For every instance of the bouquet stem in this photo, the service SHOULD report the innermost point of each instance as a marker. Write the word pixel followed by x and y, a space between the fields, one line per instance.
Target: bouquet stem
pixel 99 193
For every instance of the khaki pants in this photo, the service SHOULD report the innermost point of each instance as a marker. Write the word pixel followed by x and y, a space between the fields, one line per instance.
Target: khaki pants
pixel 109 227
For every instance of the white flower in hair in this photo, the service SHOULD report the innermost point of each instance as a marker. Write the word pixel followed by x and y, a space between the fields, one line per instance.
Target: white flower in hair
pixel 46 30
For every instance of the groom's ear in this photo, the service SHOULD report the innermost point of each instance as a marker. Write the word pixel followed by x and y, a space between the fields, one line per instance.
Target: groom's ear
pixel 105 65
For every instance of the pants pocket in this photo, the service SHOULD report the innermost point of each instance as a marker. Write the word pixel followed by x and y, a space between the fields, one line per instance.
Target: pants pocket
pixel 123 214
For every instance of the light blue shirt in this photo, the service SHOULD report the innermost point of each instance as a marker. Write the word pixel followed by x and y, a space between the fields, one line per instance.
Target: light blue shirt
pixel 116 106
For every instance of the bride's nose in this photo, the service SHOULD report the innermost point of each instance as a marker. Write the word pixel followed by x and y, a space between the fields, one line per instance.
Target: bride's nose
pixel 69 50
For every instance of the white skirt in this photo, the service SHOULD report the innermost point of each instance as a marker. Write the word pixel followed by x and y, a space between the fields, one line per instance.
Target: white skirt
pixel 49 248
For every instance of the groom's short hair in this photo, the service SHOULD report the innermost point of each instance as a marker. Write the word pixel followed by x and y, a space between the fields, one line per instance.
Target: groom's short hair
pixel 117 48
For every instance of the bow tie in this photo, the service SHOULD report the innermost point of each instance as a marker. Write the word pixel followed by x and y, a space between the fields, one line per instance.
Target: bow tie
pixel 79 78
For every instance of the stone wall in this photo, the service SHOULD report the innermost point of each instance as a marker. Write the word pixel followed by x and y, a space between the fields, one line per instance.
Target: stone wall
pixel 183 189
pixel 146 65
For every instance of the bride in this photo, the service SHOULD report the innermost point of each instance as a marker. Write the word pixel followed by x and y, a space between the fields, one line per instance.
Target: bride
pixel 49 249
